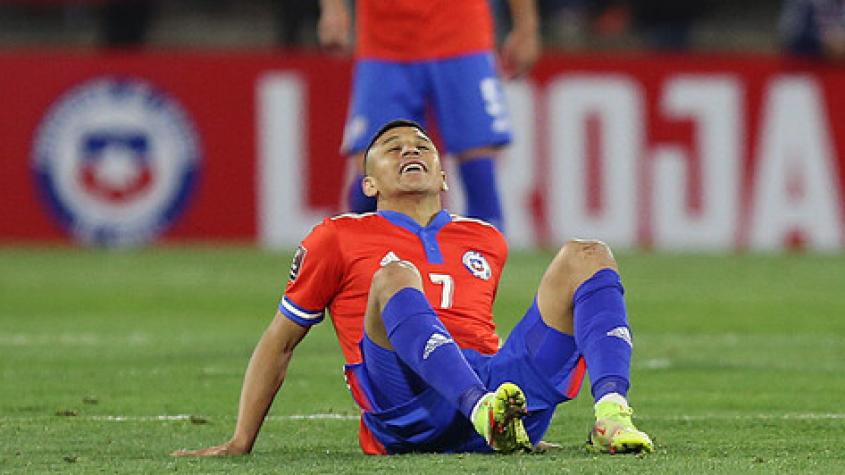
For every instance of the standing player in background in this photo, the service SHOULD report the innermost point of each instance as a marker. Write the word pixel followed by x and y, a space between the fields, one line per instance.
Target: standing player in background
pixel 410 290
pixel 413 56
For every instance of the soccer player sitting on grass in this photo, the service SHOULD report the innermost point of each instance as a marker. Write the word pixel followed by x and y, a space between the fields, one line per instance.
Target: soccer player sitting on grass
pixel 410 290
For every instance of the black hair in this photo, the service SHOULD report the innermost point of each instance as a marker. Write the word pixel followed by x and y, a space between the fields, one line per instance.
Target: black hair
pixel 393 124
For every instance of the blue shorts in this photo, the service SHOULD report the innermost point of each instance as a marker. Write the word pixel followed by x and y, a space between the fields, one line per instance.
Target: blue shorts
pixel 464 94
pixel 403 414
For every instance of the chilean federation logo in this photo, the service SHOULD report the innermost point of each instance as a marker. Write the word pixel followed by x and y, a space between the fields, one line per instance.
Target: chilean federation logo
pixel 477 265
pixel 116 159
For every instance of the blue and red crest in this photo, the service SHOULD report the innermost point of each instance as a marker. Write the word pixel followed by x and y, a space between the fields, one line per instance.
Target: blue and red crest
pixel 477 265
pixel 116 167
pixel 116 160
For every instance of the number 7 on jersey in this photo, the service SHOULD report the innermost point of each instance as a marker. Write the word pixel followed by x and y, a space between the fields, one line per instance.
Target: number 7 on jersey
pixel 448 288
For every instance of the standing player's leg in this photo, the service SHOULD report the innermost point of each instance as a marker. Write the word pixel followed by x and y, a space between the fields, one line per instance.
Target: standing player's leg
pixel 400 319
pixel 474 122
pixel 581 294
pixel 356 200
pixel 477 169
pixel 381 91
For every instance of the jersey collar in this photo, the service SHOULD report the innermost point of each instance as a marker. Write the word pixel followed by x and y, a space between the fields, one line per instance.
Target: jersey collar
pixel 427 234
pixel 441 219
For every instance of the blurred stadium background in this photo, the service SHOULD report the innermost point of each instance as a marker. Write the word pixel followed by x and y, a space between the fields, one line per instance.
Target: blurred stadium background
pixel 650 124
pixel 160 159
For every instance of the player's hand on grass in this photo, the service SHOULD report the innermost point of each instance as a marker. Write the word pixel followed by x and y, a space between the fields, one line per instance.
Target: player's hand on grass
pixel 229 448
pixel 543 446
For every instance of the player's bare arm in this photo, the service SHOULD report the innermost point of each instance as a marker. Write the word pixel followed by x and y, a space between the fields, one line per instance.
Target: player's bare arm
pixel 264 377
pixel 522 46
pixel 334 25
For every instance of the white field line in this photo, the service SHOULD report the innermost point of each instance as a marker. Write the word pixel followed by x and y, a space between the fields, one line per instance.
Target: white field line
pixel 761 417
pixel 175 417
pixel 350 417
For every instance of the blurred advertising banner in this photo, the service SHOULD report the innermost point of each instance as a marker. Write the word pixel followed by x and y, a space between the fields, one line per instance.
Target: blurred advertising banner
pixel 664 152
pixel 126 148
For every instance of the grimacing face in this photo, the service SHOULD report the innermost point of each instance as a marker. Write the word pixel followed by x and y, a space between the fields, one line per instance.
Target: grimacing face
pixel 403 160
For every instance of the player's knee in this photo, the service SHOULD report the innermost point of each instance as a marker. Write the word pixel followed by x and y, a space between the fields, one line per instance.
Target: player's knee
pixel 588 248
pixel 581 258
pixel 588 253
pixel 393 277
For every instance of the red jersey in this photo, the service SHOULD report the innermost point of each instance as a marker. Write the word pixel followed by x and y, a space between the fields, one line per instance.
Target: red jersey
pixel 460 260
pixel 413 30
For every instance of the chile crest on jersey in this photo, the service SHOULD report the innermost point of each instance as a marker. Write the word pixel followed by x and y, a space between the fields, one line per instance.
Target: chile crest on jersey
pixel 116 160
pixel 477 265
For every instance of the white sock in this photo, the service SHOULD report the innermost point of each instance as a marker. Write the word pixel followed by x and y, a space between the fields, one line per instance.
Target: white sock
pixel 613 397
pixel 477 405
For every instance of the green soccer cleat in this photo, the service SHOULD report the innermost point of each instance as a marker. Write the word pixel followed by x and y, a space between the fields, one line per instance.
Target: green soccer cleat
pixel 498 418
pixel 614 432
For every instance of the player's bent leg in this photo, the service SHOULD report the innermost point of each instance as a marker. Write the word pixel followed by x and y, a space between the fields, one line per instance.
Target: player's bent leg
pixel 576 261
pixel 399 313
pixel 582 294
pixel 387 282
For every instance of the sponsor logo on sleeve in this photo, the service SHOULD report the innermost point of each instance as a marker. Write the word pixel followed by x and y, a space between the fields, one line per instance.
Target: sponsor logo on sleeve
pixel 296 264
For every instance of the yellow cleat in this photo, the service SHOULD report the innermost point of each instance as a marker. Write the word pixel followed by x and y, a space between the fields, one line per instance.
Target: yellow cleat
pixel 615 433
pixel 498 418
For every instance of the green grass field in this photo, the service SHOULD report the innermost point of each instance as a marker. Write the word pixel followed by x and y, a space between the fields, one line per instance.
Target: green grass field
pixel 111 360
